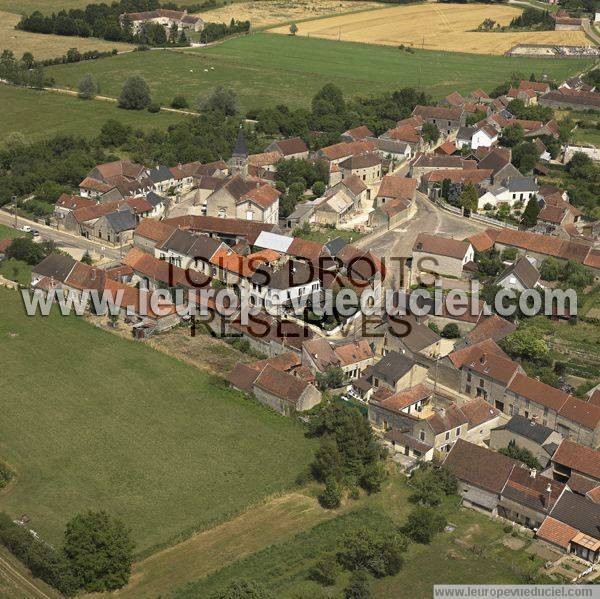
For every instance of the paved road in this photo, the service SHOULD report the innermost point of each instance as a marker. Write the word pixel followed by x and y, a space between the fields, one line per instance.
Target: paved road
pixel 62 238
pixel 429 218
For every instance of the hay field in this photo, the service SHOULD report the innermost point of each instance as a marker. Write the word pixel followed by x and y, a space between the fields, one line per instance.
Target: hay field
pixel 263 13
pixel 46 46
pixel 434 27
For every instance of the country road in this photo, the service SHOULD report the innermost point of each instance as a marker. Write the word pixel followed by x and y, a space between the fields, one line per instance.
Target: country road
pixel 66 240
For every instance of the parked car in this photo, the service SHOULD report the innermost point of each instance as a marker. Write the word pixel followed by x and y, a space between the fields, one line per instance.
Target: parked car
pixel 35 232
pixel 26 228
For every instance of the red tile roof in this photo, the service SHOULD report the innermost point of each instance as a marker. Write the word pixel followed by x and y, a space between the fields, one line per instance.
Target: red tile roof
pixel 441 246
pixel 155 230
pixel 556 532
pixel 281 384
pixel 72 202
pixel 538 392
pixel 393 186
pixel 486 358
pixel 494 327
pixel 581 412
pixel 401 400
pixel 578 458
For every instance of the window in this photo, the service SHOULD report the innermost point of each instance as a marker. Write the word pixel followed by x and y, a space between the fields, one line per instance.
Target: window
pixel 447 435
pixel 511 410
pixel 468 388
pixel 481 383
pixel 469 377
pixel 458 432
pixel 422 435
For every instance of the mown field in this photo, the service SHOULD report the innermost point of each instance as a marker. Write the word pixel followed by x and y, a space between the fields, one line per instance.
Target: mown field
pixel 473 552
pixel 268 69
pixel 40 114
pixel 46 46
pixel 263 13
pixel 433 26
pixel 92 421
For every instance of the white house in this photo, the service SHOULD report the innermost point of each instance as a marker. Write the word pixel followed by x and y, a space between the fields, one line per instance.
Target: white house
pixel 277 288
pixel 511 191
pixel 484 136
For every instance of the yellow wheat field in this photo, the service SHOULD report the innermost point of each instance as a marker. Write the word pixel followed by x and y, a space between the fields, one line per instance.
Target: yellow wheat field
pixel 434 27
pixel 46 46
pixel 262 13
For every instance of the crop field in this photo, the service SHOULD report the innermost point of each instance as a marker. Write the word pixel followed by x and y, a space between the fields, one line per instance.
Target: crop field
pixel 267 69
pixel 435 27
pixel 93 421
pixel 263 13
pixel 46 46
pixel 40 114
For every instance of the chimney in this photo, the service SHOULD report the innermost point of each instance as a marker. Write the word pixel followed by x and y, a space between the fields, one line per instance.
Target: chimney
pixel 483 358
pixel 533 473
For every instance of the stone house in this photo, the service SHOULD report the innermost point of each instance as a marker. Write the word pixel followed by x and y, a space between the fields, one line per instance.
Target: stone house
pixel 150 232
pixel 520 275
pixel 541 440
pixel 367 167
pixel 481 473
pixel 396 372
pixel 447 120
pixel 284 392
pixel 352 357
pixel 291 147
pixel 441 255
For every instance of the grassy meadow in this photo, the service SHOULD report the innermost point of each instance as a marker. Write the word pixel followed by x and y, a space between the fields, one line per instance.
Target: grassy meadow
pixel 93 421
pixel 474 551
pixel 268 69
pixel 40 114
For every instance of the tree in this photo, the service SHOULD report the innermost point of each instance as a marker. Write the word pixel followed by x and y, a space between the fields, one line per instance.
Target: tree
pixel 468 198
pixel 329 461
pixel 179 102
pixel 87 88
pixel 27 250
pixel 530 214
pixel 325 570
pixel 293 29
pixel 114 133
pixel 512 135
pixel 525 156
pixel 380 553
pixel 430 133
pixel 359 586
pixel 223 99
pixel 373 476
pixel 451 331
pixel 243 589
pixel 550 269
pixel 28 60
pixel 423 524
pixel 87 258
pixel 431 483
pixel 135 94
pixel 520 453
pixel 526 344
pixel 318 188
pixel 332 378
pixel 331 497
pixel 100 551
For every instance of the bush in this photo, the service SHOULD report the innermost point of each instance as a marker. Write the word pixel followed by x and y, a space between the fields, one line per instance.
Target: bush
pixel 6 474
pixel 451 331
pixel 154 108
pixel 87 88
pixel 380 553
pixel 179 102
pixel 331 497
pixel 325 571
pixel 373 477
pixel 423 524
pixel 359 586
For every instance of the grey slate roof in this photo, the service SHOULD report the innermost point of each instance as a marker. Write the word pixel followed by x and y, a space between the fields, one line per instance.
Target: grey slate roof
pixel 154 199
pixel 160 173
pixel 518 184
pixel 55 266
pixel 524 270
pixel 335 245
pixel 392 367
pixel 121 220
pixel 519 425
pixel 240 148
pixel 292 274
pixel 578 512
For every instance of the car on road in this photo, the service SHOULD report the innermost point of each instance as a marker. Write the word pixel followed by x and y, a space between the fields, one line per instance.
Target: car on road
pixel 35 232
pixel 26 228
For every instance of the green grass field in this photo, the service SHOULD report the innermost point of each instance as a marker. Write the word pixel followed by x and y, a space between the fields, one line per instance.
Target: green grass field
pixel 39 114
pixel 449 559
pixel 16 270
pixel 269 69
pixel 92 421
pixel 6 231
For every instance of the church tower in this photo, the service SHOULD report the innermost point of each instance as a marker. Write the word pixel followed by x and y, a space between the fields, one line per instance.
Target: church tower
pixel 238 163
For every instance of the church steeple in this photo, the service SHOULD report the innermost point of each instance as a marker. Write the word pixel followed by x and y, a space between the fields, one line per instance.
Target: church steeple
pixel 238 163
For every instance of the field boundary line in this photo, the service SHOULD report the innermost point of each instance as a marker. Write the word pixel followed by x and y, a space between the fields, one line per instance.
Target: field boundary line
pixel 16 577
